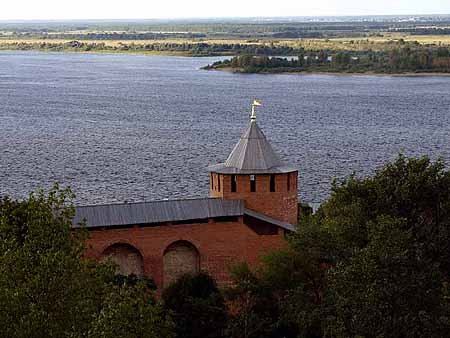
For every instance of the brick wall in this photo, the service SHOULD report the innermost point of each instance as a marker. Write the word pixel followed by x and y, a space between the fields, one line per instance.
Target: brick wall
pixel 219 244
pixel 126 257
pixel 281 204
pixel 179 258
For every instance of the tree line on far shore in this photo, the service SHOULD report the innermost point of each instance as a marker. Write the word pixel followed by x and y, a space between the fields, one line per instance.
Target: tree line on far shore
pixel 185 48
pixel 373 261
pixel 263 56
pixel 398 60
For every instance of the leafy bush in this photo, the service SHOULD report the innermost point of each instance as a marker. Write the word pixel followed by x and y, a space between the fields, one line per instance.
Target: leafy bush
pixel 197 306
pixel 47 287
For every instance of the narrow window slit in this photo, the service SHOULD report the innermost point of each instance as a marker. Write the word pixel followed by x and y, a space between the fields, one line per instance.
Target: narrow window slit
pixel 233 183
pixel 252 183
pixel 272 183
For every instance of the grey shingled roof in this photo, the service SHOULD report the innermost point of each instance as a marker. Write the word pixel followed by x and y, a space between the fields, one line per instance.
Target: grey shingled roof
pixel 143 213
pixel 270 220
pixel 156 212
pixel 253 154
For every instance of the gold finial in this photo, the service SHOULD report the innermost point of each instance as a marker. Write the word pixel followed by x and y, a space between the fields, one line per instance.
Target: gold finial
pixel 254 104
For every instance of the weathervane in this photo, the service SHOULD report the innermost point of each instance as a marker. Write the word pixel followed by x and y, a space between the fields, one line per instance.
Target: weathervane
pixel 254 104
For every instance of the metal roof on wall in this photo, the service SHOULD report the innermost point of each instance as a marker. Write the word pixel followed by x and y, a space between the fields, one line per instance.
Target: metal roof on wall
pixel 268 219
pixel 144 213
pixel 156 212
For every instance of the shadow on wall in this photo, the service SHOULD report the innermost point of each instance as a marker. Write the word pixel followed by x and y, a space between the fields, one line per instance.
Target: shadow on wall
pixel 127 258
pixel 180 257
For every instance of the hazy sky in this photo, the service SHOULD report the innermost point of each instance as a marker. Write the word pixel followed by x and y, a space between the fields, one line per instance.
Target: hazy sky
pixel 143 9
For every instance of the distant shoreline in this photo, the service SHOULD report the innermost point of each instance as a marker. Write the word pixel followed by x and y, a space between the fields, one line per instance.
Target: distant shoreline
pixel 316 72
pixel 227 69
pixel 106 51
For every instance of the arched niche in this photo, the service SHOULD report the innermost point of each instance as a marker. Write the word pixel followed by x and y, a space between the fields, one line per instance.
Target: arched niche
pixel 180 257
pixel 127 258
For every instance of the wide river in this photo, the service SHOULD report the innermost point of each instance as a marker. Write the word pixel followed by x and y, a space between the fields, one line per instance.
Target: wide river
pixel 128 127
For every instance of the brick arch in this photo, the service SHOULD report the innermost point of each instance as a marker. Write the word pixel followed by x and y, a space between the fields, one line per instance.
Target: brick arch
pixel 128 258
pixel 179 258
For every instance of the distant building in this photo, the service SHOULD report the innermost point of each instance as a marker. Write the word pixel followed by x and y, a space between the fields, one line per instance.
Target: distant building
pixel 252 204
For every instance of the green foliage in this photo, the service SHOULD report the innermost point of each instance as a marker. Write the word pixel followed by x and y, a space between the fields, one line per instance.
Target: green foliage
pixel 415 190
pixel 392 251
pixel 254 309
pixel 372 262
pixel 396 60
pixel 197 306
pixel 342 58
pixel 184 48
pixel 285 298
pixel 131 312
pixel 47 288
pixel 387 289
pixel 443 52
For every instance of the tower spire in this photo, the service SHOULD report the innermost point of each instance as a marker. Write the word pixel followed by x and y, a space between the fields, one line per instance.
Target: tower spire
pixel 254 105
pixel 254 166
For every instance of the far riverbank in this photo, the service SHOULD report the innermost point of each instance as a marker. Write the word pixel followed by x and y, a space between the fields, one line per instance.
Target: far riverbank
pixel 110 51
pixel 401 62
pixel 236 70
pixel 323 72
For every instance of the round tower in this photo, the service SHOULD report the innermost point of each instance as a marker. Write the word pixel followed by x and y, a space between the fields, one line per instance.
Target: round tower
pixel 253 172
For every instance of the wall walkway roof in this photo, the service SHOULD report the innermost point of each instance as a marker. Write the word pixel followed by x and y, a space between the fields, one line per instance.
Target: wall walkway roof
pixel 147 213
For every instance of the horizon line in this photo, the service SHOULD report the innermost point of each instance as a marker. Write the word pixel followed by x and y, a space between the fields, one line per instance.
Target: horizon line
pixel 281 17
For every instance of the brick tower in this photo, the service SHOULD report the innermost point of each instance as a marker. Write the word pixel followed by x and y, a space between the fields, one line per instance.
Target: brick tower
pixel 254 173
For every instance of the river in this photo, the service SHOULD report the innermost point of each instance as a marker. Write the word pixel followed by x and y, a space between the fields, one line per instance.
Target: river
pixel 129 127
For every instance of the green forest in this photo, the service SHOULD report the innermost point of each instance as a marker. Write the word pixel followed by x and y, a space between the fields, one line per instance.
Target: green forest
pixel 184 48
pixel 408 59
pixel 372 262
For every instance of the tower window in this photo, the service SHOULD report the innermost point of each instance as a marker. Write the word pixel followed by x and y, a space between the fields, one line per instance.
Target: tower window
pixel 272 183
pixel 252 183
pixel 218 183
pixel 212 181
pixel 233 183
pixel 288 181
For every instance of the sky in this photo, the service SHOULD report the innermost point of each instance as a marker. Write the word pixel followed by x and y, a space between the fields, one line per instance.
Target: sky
pixel 149 9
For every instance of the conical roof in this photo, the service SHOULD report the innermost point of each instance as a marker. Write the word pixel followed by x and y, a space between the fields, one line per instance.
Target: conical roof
pixel 253 154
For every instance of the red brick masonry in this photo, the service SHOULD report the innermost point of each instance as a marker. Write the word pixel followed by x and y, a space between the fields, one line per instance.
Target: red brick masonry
pixel 218 245
pixel 282 204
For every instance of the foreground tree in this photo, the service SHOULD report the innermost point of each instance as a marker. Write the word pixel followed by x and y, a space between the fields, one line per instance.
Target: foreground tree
pixel 392 270
pixel 197 306
pixel 131 312
pixel 390 262
pixel 47 288
pixel 372 262
pixel 388 289
pixel 255 306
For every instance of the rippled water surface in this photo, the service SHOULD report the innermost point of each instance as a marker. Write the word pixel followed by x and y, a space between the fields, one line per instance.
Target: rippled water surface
pixel 126 127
